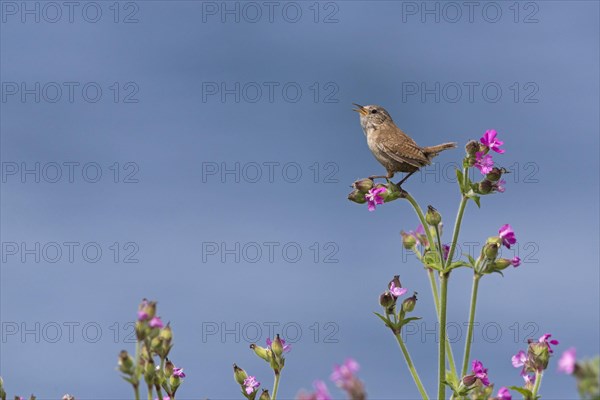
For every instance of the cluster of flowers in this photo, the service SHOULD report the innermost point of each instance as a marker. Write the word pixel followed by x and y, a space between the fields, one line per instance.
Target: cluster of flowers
pixel 366 191
pixel 344 377
pixel 154 339
pixel 478 156
pixel 272 354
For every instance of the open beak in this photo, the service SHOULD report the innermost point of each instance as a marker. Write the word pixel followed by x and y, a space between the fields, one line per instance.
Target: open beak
pixel 360 109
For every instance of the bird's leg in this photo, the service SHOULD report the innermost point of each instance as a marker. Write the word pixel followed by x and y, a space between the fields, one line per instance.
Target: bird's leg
pixel 386 177
pixel 405 178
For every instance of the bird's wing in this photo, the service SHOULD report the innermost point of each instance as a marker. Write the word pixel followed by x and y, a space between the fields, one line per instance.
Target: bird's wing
pixel 401 147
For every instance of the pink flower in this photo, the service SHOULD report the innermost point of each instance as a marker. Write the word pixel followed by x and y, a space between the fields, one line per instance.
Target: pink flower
pixel 142 315
pixel 503 394
pixel 155 323
pixel 374 197
pixel 250 384
pixel 516 261
pixel 343 375
pixel 489 140
pixel 499 186
pixel 483 162
pixel 519 359
pixel 480 372
pixel 507 235
pixel 544 339
pixel 286 347
pixel 567 361
pixel 529 379
pixel 178 372
pixel 321 392
pixel 397 291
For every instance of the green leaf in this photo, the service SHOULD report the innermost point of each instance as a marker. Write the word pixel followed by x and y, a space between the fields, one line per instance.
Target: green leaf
pixel 471 259
pixel 385 320
pixel 407 320
pixel 460 177
pixel 476 198
pixel 526 393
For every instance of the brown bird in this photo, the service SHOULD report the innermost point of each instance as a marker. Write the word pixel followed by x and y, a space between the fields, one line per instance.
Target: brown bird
pixel 394 149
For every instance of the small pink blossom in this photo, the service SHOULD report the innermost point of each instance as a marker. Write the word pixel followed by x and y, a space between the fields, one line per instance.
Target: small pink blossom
pixel 519 359
pixel 544 339
pixel 489 140
pixel 567 361
pixel 344 374
pixel 397 291
pixel 178 372
pixel 507 235
pixel 374 197
pixel 516 261
pixel 483 162
pixel 251 385
pixel 480 372
pixel 503 394
pixel 155 323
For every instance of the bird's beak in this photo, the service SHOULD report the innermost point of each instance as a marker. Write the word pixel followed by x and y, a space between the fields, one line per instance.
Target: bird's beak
pixel 360 109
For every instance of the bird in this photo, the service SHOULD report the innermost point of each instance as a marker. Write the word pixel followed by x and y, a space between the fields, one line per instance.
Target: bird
pixel 393 148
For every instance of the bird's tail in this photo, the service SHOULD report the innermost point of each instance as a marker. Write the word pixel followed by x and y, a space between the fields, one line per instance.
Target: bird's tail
pixel 433 151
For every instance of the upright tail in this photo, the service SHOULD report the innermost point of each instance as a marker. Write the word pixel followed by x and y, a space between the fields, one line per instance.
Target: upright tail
pixel 433 151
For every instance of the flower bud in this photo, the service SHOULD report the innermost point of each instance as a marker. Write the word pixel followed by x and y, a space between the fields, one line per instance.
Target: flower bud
pixel 125 363
pixel 392 193
pixel 539 354
pixel 363 185
pixel 490 250
pixel 264 395
pixel 166 333
pixel 501 264
pixel 408 305
pixel 277 346
pixel 472 147
pixel 386 300
pixel 396 282
pixel 2 392
pixel 68 397
pixel 239 374
pixel 169 368
pixel 469 380
pixel 357 196
pixel 495 174
pixel 261 352
pixel 408 240
pixel 433 217
pixel 485 187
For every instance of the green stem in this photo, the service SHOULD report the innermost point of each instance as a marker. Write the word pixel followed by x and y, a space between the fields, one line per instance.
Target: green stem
pixel 440 247
pixel 162 368
pixel 436 301
pixel 275 386
pixel 459 216
pixel 444 277
pixel 434 290
pixel 136 385
pixel 538 383
pixel 411 367
pixel 467 353
pixel 150 391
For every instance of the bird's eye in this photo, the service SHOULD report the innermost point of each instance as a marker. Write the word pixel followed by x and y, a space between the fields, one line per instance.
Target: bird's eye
pixel 373 111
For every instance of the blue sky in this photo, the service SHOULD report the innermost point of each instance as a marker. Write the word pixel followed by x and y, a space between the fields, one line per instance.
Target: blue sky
pixel 200 154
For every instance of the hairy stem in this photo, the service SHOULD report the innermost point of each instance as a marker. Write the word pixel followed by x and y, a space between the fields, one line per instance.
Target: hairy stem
pixel 434 290
pixel 467 353
pixel 275 386
pixel 444 277
pixel 538 383
pixel 411 367
pixel 436 301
